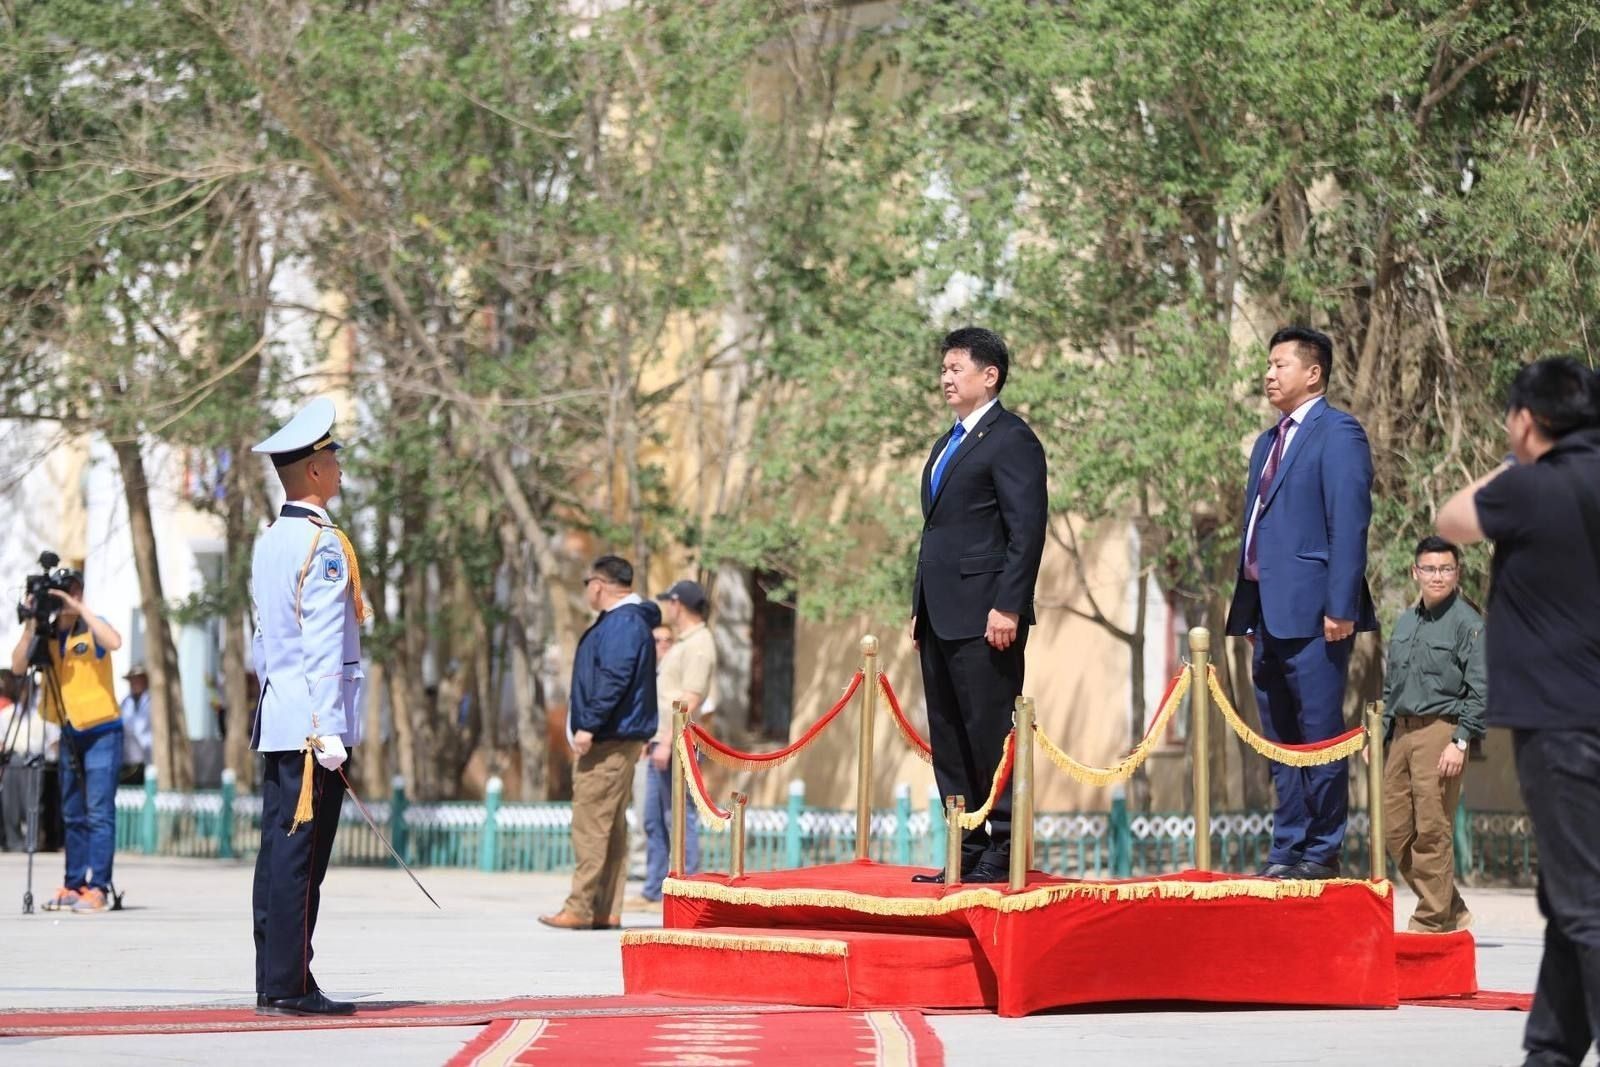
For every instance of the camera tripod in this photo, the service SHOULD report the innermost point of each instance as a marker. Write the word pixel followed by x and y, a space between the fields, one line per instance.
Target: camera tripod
pixel 41 677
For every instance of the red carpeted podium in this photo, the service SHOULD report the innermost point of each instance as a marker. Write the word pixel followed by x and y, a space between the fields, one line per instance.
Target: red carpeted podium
pixel 863 934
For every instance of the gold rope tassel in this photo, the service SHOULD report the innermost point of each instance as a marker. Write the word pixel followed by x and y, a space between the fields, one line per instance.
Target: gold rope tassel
pixel 1287 756
pixel 710 818
pixel 1124 769
pixel 302 808
pixel 974 819
pixel 353 566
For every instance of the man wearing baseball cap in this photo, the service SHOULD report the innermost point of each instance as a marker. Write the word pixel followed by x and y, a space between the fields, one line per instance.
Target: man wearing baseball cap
pixel 136 737
pixel 688 675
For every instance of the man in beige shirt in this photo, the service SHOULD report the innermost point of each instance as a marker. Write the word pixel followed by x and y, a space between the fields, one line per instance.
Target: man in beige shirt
pixel 687 674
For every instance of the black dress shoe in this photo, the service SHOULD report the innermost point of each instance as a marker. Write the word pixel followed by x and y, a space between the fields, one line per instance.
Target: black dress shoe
pixel 312 1003
pixel 261 998
pixel 1317 871
pixel 1275 870
pixel 986 873
pixel 937 877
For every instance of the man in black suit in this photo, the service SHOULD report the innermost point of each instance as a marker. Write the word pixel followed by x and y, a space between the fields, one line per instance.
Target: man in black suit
pixel 984 507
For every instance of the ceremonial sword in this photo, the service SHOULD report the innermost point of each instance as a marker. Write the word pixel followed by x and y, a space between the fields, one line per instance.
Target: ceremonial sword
pixel 367 815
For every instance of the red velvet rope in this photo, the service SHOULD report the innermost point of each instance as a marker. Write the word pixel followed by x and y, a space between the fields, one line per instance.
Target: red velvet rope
pixel 1318 746
pixel 698 736
pixel 705 795
pixel 1165 696
pixel 900 716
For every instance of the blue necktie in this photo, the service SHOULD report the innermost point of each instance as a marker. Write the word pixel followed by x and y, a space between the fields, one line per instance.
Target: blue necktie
pixel 956 435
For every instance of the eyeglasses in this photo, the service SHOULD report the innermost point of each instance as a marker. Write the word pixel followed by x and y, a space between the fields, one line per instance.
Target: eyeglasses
pixel 592 578
pixel 1438 572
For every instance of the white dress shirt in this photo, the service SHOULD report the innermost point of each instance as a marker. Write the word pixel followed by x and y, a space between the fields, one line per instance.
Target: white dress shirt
pixel 1296 417
pixel 968 424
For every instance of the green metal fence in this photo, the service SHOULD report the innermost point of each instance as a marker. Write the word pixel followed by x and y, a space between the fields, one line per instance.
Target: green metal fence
pixel 1491 847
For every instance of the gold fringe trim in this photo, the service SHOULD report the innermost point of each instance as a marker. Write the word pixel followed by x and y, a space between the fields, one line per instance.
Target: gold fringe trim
pixel 973 819
pixel 1287 756
pixel 734 763
pixel 798 946
pixel 1029 900
pixel 710 818
pixel 918 745
pixel 1124 769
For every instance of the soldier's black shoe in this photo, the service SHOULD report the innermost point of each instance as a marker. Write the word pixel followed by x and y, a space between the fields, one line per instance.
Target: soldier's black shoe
pixel 312 1003
pixel 1275 870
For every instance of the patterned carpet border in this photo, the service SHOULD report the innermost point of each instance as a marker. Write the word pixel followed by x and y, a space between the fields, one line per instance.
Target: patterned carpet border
pixel 880 1038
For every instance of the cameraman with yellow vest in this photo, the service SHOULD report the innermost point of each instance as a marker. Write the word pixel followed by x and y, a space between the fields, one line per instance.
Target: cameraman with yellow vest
pixel 91 741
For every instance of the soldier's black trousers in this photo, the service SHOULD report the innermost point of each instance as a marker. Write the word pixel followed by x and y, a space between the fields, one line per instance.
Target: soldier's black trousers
pixel 289 870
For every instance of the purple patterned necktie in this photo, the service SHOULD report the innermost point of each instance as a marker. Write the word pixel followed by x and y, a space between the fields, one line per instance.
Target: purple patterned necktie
pixel 1252 569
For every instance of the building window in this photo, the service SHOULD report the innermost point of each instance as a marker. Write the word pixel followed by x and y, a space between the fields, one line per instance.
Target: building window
pixel 1177 642
pixel 772 632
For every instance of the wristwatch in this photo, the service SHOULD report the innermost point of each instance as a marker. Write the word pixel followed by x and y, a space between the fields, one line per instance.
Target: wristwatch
pixel 1462 743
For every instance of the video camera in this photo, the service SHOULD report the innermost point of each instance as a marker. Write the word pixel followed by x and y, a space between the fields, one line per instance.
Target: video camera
pixel 44 607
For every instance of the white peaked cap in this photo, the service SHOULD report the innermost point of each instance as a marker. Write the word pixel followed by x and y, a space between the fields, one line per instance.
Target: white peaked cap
pixel 311 430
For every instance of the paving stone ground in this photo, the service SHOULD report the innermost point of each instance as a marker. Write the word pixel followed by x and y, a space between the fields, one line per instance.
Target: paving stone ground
pixel 184 938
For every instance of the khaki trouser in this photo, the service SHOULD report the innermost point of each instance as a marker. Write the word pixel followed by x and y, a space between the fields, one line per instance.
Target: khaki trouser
pixel 1419 809
pixel 602 788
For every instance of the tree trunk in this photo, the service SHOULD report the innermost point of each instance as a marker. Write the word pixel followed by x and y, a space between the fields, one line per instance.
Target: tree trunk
pixel 237 756
pixel 525 629
pixel 168 725
pixel 372 769
pixel 1139 784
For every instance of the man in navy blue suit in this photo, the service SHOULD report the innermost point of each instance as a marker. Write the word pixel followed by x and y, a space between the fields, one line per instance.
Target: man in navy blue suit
pixel 1302 592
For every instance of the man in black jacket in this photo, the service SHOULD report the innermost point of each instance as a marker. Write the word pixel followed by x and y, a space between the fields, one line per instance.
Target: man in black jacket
pixel 1542 511
pixel 611 713
pixel 984 507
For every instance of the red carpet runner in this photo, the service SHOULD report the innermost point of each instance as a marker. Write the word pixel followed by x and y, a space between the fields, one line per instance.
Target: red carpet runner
pixel 868 1039
pixel 211 1019
pixel 1482 1000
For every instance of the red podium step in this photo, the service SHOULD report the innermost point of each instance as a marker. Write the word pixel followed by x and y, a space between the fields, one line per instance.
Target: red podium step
pixel 822 968
pixel 866 933
pixel 1430 966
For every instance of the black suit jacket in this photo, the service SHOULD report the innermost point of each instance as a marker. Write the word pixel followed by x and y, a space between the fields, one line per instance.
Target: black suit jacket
pixel 983 533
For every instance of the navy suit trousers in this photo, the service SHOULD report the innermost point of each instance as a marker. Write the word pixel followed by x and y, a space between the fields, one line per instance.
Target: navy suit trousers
pixel 1299 683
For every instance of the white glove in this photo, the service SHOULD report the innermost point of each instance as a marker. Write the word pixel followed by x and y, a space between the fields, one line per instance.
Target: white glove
pixel 332 754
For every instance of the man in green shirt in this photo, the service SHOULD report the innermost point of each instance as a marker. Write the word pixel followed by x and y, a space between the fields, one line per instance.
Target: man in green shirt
pixel 1433 708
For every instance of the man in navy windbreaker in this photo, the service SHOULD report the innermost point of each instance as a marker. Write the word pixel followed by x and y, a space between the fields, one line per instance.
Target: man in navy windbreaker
pixel 611 713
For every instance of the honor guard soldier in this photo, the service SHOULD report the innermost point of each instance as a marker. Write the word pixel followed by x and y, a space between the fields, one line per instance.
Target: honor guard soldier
pixel 306 587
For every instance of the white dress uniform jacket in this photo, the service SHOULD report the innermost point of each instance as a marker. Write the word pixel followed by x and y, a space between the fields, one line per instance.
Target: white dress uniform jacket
pixel 307 640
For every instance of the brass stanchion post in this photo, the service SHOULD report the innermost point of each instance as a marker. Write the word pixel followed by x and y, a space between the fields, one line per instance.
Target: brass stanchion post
pixel 1380 869
pixel 680 817
pixel 954 808
pixel 1022 794
pixel 736 857
pixel 1200 742
pixel 869 709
